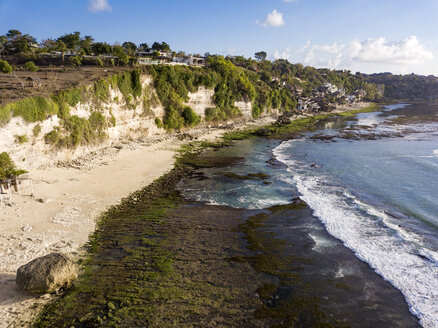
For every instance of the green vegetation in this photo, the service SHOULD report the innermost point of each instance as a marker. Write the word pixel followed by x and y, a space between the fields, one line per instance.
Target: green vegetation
pixel 71 96
pixel 99 62
pixel 190 117
pixel 36 130
pixel 101 90
pixel 21 139
pixel 405 87
pixel 172 85
pixel 139 269
pixel 75 61
pixel 158 123
pixel 75 131
pixel 128 83
pixel 5 67
pixel 305 77
pixel 31 109
pixel 251 176
pixel 8 169
pixel 230 83
pixel 31 67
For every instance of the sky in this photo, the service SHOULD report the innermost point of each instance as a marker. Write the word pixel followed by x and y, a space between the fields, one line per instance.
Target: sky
pixel 370 36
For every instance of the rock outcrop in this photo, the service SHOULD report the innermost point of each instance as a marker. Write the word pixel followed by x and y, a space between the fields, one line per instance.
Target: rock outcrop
pixel 46 274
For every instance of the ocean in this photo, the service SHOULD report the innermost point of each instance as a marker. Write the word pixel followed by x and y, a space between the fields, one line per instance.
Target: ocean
pixel 371 184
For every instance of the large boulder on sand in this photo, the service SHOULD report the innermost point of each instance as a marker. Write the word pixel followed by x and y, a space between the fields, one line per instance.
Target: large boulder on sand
pixel 46 274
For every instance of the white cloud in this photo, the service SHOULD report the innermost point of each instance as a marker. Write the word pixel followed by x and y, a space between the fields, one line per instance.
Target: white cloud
pixel 96 6
pixel 409 51
pixel 371 55
pixel 324 55
pixel 284 54
pixel 274 19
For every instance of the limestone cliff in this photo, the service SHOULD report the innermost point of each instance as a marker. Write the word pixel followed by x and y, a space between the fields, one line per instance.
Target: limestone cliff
pixel 127 120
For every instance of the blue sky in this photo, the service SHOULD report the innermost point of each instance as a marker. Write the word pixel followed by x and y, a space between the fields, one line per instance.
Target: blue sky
pixel 370 36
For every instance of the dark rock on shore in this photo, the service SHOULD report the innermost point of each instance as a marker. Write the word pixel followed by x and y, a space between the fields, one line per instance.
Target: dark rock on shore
pixel 46 274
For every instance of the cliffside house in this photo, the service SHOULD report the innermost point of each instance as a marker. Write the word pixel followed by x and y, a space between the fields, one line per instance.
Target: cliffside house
pixel 150 61
pixel 150 52
pixel 328 88
pixel 190 61
pixel 303 103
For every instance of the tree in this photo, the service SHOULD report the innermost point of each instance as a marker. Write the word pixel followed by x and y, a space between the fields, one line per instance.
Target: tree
pixel 100 48
pixel 21 45
pixel 156 46
pixel 163 46
pixel 13 34
pixel 71 40
pixel 130 47
pixel 261 55
pixel 85 44
pixel 8 169
pixel 3 40
pixel 121 54
pixel 143 47
pixel 60 46
pixel 50 45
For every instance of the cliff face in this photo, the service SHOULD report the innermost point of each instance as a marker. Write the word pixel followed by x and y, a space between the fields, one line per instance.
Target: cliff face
pixel 201 100
pixel 132 121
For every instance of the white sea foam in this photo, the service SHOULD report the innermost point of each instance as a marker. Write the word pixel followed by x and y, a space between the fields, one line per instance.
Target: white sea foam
pixel 395 256
pixel 320 243
pixel 343 271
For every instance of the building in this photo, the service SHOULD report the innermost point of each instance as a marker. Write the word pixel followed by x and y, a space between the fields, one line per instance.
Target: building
pixel 328 87
pixel 150 52
pixel 303 103
pixel 149 61
pixel 190 61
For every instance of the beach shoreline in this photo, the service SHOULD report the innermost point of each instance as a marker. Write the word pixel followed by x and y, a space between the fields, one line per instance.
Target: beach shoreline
pixel 67 202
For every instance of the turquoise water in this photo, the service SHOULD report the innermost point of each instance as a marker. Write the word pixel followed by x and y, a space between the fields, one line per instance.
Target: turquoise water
pixel 378 195
pixel 371 180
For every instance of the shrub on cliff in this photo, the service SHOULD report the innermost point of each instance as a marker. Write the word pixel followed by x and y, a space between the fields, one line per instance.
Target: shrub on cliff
pixel 101 90
pixel 190 117
pixel 128 83
pixel 31 109
pixel 5 67
pixel 31 67
pixel 173 119
pixel 97 121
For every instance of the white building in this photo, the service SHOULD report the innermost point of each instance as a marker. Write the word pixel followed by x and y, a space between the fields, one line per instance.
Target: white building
pixel 191 61
pixel 303 103
pixel 150 52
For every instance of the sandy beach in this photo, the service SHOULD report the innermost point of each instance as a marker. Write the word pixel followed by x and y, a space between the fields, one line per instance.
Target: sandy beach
pixel 66 203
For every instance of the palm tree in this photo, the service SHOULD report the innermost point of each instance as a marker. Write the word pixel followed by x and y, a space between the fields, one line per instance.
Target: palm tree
pixel 3 41
pixel 62 48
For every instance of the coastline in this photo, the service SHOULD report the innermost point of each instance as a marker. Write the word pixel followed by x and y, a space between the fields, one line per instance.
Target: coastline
pixel 70 201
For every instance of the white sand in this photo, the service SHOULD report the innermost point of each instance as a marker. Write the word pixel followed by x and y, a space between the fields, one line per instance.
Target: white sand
pixel 72 201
